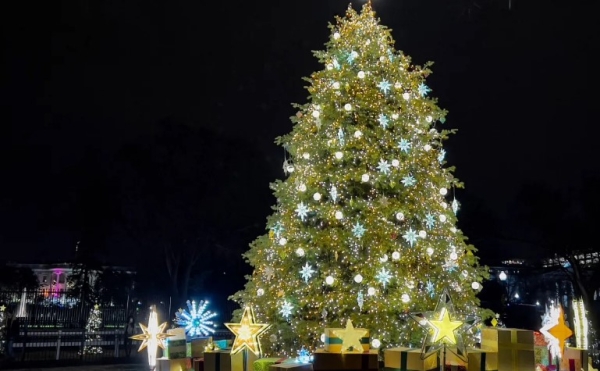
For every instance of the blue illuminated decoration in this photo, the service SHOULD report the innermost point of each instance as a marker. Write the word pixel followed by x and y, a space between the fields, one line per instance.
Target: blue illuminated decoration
pixel 196 320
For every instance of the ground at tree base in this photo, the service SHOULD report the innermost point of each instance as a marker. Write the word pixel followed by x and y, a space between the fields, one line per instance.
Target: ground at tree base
pixel 122 367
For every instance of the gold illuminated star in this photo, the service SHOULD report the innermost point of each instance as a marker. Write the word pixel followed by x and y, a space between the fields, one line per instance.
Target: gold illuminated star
pixel 2 308
pixel 560 331
pixel 444 328
pixel 246 333
pixel 152 336
pixel 351 337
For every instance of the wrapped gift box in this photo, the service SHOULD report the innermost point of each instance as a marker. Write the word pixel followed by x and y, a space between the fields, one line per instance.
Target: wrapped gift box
pixel 333 343
pixel 263 364
pixel 217 361
pixel 515 347
pixel 180 364
pixel 408 359
pixel 452 358
pixel 198 345
pixel 574 359
pixel 239 364
pixel 176 345
pixel 198 364
pixel 455 368
pixel 291 367
pixel 366 361
pixel 481 360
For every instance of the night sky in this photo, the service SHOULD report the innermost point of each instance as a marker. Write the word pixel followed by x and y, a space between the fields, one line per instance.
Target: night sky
pixel 116 110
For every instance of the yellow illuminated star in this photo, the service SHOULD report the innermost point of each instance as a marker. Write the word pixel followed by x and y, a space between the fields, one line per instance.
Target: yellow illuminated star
pixel 246 333
pixel 444 328
pixel 351 337
pixel 560 331
pixel 152 336
pixel 2 308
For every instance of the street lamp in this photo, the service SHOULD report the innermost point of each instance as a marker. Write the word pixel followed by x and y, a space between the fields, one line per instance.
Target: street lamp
pixel 502 276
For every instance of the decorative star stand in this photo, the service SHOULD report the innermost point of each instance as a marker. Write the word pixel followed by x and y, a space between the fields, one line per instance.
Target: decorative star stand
pixel 443 329
pixel 555 331
pixel 152 337
pixel 246 335
pixel 351 337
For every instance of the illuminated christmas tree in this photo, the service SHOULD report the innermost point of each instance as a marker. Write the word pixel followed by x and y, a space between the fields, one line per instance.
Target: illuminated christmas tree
pixel 365 223
pixel 92 327
pixel 2 328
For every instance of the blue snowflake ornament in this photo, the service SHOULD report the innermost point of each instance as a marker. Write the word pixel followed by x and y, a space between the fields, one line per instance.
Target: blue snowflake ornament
pixel 430 289
pixel 404 145
pixel 341 137
pixel 302 211
pixel 423 90
pixel 358 231
pixel 383 167
pixel 383 120
pixel 383 276
pixel 410 236
pixel 429 220
pixel 408 181
pixel 336 64
pixel 455 206
pixel 196 321
pixel 333 193
pixel 306 272
pixel 277 229
pixel 286 309
pixel 351 57
pixel 384 86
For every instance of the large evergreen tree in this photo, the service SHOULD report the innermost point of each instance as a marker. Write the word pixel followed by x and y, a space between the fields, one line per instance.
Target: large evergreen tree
pixel 365 223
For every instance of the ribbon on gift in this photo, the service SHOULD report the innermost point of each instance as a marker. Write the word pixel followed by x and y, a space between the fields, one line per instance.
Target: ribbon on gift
pixel 404 363
pixel 514 346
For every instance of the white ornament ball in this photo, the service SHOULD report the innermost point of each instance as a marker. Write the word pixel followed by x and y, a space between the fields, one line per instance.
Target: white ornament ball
pixel 475 285
pixel 365 177
pixel 361 74
pixel 336 85
pixel 371 291
pixel 339 155
pixel 339 215
pixel 395 116
pixel 290 168
pixel 444 205
pixel 453 256
pixel 443 218
pixel 422 234
pixel 395 163
pixel 443 191
pixel 316 114
pixel 260 292
pixel 405 298
pixel 376 343
pixel 397 85
pixel 384 258
pixel 348 107
pixel 306 155
pixel 357 134
pixel 395 255
pixel 358 278
pixel 300 251
pixel 400 216
pixel 427 148
pixel 317 196
pixel 368 42
pixel 302 187
pixel 322 338
pixel 429 251
pixel 406 96
pixel 330 66
pixel 273 338
pixel 382 59
pixel 336 35
pixel 410 284
pixel 429 118
pixel 282 241
pixel 329 280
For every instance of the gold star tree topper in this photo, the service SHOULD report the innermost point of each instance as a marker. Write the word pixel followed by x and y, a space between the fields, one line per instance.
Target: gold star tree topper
pixel 443 329
pixel 246 333
pixel 351 337
pixel 152 336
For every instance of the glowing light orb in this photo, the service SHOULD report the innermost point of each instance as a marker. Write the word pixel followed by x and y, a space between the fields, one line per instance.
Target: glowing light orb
pixel 196 320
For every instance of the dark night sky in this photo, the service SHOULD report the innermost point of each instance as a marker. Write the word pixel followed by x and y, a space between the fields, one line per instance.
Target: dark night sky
pixel 84 84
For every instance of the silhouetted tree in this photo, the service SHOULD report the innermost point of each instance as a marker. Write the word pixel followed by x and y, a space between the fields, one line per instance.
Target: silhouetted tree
pixel 17 278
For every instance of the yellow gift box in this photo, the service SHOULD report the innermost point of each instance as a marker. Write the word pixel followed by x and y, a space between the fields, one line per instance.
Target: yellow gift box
pixel 515 347
pixel 365 361
pixel 333 343
pixel 198 345
pixel 180 364
pixel 482 360
pixel 408 359
pixel 237 361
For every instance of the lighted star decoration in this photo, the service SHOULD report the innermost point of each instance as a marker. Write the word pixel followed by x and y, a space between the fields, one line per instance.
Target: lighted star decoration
pixel 358 231
pixel 246 333
pixel 306 272
pixel 351 337
pixel 423 90
pixel 443 328
pixel 408 181
pixel 2 308
pixel 410 236
pixel 429 221
pixel 384 166
pixel 152 336
pixel 555 331
pixel 384 277
pixel 302 211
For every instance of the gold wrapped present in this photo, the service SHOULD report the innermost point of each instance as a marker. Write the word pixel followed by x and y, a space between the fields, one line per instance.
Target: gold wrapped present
pixel 333 343
pixel 217 361
pixel 198 346
pixel 515 347
pixel 452 359
pixel 482 360
pixel 243 361
pixel 366 361
pixel 180 364
pixel 408 359
pixel 574 359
